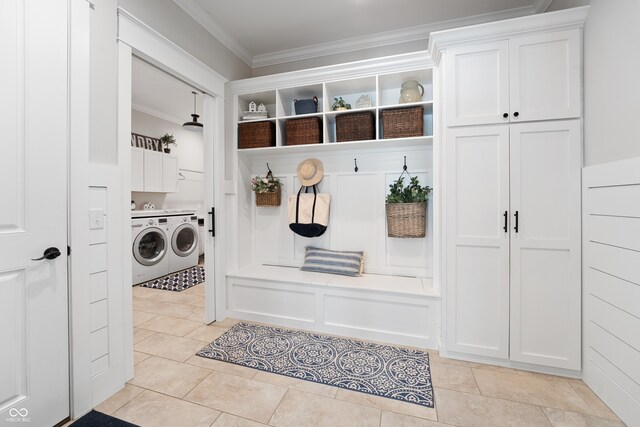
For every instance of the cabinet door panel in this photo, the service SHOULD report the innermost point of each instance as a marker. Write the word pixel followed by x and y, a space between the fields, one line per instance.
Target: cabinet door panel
pixel 477 289
pixel 152 171
pixel 545 252
pixel 169 173
pixel 137 169
pixel 477 84
pixel 545 76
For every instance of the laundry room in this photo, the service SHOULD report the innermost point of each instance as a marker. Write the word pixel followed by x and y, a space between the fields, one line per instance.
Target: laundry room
pixel 167 182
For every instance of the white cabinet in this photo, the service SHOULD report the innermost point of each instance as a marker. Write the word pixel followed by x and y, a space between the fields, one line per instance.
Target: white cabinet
pixel 513 242
pixel 545 281
pixel 169 173
pixel 153 171
pixel 525 78
pixel 137 169
pixel 478 249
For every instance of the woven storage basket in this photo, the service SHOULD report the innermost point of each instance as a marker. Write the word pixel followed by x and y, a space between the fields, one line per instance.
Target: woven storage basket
pixel 256 134
pixel 407 219
pixel 355 126
pixel 268 199
pixel 303 131
pixel 402 122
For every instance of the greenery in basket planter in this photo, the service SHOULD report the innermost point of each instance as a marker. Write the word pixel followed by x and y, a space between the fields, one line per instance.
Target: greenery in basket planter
pixel 412 193
pixel 167 140
pixel 265 185
pixel 340 103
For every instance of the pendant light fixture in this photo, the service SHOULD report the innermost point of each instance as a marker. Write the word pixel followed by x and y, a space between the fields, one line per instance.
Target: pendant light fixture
pixel 193 125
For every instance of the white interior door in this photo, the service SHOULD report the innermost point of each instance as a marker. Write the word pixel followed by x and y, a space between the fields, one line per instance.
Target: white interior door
pixel 477 291
pixel 34 369
pixel 545 249
pixel 545 76
pixel 478 84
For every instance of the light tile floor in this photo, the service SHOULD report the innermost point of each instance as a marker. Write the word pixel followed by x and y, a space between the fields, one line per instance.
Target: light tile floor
pixel 173 387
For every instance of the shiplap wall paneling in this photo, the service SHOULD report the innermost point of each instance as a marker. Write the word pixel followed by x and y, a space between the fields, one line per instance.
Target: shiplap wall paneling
pixel 611 291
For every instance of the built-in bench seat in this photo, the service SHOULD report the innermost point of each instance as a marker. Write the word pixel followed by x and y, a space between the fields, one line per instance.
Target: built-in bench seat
pixel 396 309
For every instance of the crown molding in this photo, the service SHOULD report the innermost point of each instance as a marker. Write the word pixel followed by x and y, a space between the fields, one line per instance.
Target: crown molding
pixel 195 11
pixel 157 114
pixel 386 38
pixel 555 21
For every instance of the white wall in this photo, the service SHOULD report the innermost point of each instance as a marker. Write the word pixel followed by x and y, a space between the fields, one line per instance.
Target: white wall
pixel 171 21
pixel 611 81
pixel 190 153
pixel 103 80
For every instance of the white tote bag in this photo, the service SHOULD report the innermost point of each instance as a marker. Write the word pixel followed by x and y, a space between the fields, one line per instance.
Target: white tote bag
pixel 308 213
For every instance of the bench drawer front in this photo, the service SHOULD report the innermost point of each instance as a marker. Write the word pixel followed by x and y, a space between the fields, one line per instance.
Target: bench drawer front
pixel 256 299
pixel 377 316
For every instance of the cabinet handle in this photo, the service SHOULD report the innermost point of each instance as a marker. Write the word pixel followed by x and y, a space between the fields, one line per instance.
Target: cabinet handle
pixel 516 114
pixel 212 230
pixel 505 115
pixel 516 227
pixel 505 228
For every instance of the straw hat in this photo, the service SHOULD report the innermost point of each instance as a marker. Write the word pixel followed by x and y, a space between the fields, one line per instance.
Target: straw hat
pixel 310 172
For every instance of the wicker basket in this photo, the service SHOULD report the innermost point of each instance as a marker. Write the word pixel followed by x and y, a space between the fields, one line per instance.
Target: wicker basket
pixel 407 219
pixel 355 126
pixel 303 131
pixel 256 134
pixel 268 199
pixel 403 122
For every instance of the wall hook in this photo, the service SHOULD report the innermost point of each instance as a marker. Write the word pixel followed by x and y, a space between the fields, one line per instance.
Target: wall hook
pixel 181 177
pixel 355 162
pixel 269 169
pixel 404 168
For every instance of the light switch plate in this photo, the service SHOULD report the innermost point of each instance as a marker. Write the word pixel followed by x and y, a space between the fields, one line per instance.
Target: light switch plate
pixel 96 219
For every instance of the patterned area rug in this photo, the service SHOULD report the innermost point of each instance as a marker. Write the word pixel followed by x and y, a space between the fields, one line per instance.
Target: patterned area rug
pixel 179 281
pixel 393 372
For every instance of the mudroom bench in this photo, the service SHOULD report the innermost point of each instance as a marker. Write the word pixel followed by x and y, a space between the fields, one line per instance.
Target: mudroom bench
pixel 395 309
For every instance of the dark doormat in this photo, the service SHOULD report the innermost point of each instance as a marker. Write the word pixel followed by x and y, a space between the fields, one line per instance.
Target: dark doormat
pixel 98 419
pixel 383 370
pixel 179 281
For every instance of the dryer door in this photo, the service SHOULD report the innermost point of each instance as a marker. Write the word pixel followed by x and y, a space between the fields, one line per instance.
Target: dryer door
pixel 184 240
pixel 150 246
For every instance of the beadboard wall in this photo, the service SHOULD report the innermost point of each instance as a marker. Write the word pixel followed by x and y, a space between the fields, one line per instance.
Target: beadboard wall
pixel 357 214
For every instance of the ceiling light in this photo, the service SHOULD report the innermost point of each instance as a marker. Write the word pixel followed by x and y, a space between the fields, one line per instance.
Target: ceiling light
pixel 193 125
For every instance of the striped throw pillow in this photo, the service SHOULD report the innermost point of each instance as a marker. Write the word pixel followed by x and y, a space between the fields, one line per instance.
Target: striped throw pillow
pixel 347 263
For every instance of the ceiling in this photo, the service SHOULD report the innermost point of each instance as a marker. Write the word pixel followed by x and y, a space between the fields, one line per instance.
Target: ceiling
pixel 269 32
pixel 160 94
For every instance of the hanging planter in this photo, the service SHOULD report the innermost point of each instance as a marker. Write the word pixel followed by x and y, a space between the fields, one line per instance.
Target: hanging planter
pixel 268 189
pixel 407 208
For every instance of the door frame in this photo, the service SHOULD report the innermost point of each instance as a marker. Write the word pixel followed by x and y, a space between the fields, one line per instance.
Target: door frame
pixel 134 38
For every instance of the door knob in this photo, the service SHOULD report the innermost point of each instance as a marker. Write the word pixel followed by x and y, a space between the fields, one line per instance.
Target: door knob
pixel 516 114
pixel 49 253
pixel 505 115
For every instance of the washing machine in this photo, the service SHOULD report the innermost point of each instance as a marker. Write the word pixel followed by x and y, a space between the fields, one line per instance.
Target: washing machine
pixel 183 232
pixel 151 247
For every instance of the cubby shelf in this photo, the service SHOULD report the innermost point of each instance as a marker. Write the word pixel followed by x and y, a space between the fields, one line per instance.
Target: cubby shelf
pixel 342 146
pixel 383 91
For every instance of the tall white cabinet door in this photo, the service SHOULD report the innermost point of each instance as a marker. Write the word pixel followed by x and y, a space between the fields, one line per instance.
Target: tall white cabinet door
pixel 545 249
pixel 152 171
pixel 545 76
pixel 169 173
pixel 137 169
pixel 477 289
pixel 477 84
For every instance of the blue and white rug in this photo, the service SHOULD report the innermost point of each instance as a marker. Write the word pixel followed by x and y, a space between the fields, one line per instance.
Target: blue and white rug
pixel 179 281
pixel 382 370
